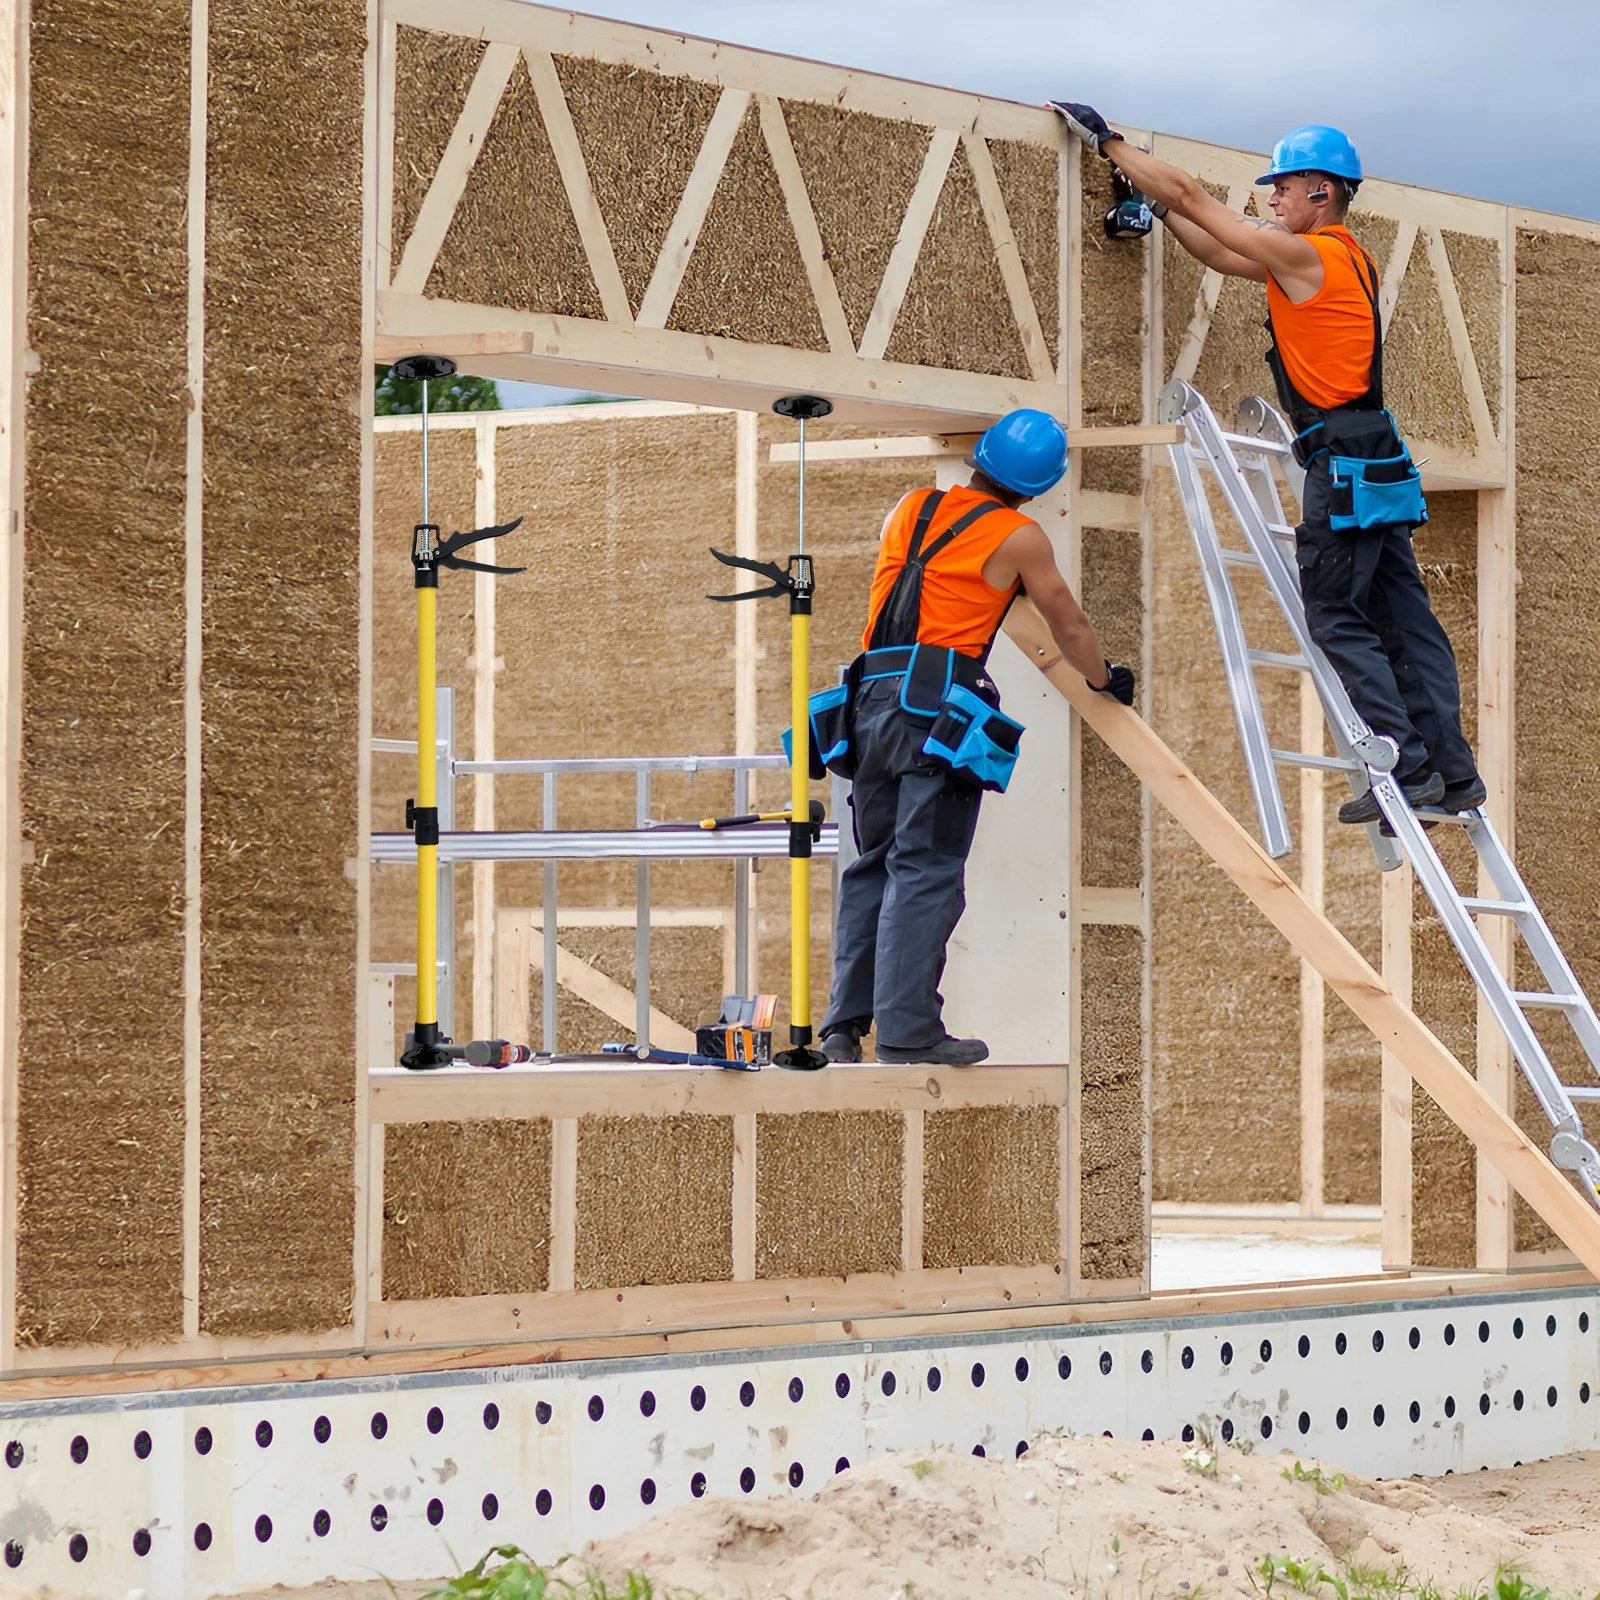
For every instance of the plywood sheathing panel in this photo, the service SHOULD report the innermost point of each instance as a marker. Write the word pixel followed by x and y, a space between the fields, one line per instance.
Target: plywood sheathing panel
pixel 513 241
pixel 745 279
pixel 100 1031
pixel 280 665
pixel 397 507
pixel 1111 1138
pixel 432 73
pixel 1557 664
pixel 654 1201
pixel 1444 1201
pixel 828 1200
pixel 1114 331
pixel 1112 810
pixel 1225 991
pixel 1421 381
pixel 640 133
pixel 846 503
pixel 1352 1058
pixel 466 1209
pixel 609 644
pixel 1476 265
pixel 859 172
pixel 1030 182
pixel 957 313
pixel 991 1178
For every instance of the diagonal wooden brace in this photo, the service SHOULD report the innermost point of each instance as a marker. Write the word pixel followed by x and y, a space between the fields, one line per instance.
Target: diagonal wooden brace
pixel 1310 934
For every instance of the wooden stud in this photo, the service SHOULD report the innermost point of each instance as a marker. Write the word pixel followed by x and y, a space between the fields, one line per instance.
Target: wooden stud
pixel 1460 339
pixel 824 290
pixel 372 1275
pixel 912 1190
pixel 484 646
pixel 959 445
pixel 563 1203
pixel 14 36
pixel 746 541
pixel 438 207
pixel 1009 258
pixel 383 153
pixel 574 171
pixel 194 613
pixel 695 202
pixel 513 962
pixel 1313 1089
pixel 744 1197
pixel 1278 897
pixel 1395 1088
pixel 908 243
pixel 1117 908
pixel 1120 513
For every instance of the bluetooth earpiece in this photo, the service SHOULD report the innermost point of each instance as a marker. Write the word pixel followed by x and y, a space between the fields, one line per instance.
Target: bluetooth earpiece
pixel 1320 194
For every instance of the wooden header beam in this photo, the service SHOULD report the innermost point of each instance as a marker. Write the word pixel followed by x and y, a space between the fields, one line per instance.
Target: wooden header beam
pixel 895 447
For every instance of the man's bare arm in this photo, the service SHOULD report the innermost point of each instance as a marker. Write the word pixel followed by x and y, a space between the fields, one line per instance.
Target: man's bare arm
pixel 1027 556
pixel 1209 253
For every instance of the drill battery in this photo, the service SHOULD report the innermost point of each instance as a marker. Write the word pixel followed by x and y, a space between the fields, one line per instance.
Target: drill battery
pixel 742 1033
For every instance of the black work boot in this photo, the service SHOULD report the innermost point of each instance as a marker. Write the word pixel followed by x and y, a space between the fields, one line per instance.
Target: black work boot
pixel 1467 795
pixel 842 1045
pixel 1424 787
pixel 945 1052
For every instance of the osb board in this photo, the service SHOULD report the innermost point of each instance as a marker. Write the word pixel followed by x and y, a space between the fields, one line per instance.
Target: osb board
pixel 956 311
pixel 1112 816
pixel 397 507
pixel 432 74
pixel 1443 1164
pixel 1225 990
pixel 1557 666
pixel 828 1199
pixel 1030 184
pixel 859 172
pixel 513 241
pixel 640 133
pixel 745 279
pixel 654 1201
pixel 1352 1058
pixel 1112 1143
pixel 100 1152
pixel 280 666
pixel 1478 267
pixel 991 1181
pixel 1421 381
pixel 466 1209
pixel 1114 328
pixel 610 647
pixel 846 504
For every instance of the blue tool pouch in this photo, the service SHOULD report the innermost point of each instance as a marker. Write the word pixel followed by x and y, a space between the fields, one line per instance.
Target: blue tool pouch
pixel 1375 494
pixel 976 740
pixel 830 734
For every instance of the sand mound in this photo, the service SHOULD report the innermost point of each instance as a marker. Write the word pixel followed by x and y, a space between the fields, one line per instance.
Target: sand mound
pixel 1080 1517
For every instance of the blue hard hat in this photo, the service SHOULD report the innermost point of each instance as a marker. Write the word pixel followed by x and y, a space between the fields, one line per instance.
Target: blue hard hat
pixel 1025 452
pixel 1314 148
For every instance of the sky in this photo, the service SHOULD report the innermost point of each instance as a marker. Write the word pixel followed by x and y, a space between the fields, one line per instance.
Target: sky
pixel 1482 97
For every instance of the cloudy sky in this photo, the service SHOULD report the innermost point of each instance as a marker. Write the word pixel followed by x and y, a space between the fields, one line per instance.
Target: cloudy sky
pixel 1483 97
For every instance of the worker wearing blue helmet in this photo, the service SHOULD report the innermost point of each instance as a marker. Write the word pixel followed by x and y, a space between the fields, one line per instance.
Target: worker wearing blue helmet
pixel 1365 602
pixel 922 735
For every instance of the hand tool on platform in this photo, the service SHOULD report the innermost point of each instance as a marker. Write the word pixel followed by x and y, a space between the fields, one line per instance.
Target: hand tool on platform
pixel 818 816
pixel 425 1047
pixel 798 581
pixel 674 1058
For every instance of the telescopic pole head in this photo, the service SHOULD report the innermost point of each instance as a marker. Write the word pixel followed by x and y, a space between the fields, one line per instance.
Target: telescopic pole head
pixel 424 370
pixel 803 408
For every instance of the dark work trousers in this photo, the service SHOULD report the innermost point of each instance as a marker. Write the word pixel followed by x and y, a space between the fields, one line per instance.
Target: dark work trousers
pixel 900 899
pixel 1368 608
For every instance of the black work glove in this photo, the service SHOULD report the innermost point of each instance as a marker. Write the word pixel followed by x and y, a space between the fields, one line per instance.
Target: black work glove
pixel 1087 124
pixel 1118 684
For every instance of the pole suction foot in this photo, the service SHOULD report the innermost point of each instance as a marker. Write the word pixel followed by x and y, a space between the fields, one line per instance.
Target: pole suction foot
pixel 423 369
pixel 425 1051
pixel 801 1059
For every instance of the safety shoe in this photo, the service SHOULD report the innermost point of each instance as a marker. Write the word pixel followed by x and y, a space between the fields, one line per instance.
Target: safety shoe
pixel 842 1045
pixel 945 1052
pixel 1465 796
pixel 1423 788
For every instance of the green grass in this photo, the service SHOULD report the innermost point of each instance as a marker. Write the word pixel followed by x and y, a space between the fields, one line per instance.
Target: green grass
pixel 1279 1573
pixel 517 1576
pixel 1326 1483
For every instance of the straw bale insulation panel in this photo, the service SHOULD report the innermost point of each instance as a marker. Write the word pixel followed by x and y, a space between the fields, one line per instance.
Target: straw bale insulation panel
pixel 199 643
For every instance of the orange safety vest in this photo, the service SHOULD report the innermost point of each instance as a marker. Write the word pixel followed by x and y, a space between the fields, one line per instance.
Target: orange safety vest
pixel 959 609
pixel 1326 342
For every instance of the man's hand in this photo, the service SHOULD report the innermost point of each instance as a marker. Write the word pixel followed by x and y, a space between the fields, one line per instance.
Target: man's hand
pixel 1118 684
pixel 1087 124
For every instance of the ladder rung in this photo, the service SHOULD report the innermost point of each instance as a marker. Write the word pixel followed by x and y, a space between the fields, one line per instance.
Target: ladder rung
pixel 1498 908
pixel 1539 998
pixel 1276 658
pixel 1582 1094
pixel 1240 558
pixel 1259 447
pixel 1298 758
pixel 1281 530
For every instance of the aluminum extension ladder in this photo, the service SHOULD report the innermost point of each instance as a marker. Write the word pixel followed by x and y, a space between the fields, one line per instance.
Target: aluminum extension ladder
pixel 1241 465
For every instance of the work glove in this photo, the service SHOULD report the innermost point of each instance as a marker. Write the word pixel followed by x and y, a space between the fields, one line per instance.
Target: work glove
pixel 1118 684
pixel 1087 124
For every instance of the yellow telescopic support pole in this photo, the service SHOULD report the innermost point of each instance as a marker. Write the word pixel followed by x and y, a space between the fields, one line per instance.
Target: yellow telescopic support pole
pixel 427 807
